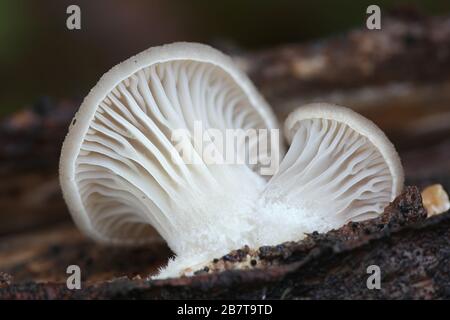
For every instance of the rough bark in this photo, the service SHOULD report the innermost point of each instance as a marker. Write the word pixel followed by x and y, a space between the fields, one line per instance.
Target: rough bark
pixel 412 253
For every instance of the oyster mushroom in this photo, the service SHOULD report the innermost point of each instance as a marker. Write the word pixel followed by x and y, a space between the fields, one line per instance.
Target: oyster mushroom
pixel 340 167
pixel 122 174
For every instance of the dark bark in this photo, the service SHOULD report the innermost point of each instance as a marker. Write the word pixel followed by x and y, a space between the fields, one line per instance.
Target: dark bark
pixel 412 253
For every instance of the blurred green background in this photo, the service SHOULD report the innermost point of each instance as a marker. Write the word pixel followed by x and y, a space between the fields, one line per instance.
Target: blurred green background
pixel 39 56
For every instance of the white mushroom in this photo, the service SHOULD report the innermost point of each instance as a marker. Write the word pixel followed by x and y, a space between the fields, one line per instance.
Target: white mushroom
pixel 340 167
pixel 122 174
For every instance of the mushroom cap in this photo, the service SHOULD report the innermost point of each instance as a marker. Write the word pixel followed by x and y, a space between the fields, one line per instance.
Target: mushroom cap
pixel 158 82
pixel 340 167
pixel 359 124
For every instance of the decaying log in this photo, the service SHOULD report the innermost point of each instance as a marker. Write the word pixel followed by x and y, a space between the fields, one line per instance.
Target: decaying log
pixel 412 252
pixel 399 78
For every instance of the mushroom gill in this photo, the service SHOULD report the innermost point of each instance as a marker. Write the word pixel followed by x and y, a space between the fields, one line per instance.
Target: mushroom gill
pixel 339 167
pixel 123 173
pixel 124 170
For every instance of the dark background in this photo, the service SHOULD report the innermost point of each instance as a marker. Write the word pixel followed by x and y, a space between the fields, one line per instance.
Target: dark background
pixel 39 56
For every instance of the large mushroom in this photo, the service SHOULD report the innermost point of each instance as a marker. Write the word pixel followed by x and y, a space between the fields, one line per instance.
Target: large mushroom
pixel 121 171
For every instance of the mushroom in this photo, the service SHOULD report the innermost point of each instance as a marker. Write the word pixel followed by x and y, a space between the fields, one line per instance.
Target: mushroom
pixel 122 174
pixel 340 167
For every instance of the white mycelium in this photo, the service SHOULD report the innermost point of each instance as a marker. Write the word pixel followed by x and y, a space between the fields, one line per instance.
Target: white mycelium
pixel 122 175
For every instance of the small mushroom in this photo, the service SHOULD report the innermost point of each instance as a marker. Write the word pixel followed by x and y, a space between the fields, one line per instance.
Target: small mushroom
pixel 435 200
pixel 340 167
pixel 121 174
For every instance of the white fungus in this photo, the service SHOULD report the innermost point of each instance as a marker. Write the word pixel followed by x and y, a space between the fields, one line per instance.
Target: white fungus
pixel 340 167
pixel 121 173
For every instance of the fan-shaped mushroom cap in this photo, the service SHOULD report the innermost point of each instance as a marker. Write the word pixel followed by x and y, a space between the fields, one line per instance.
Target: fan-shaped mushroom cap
pixel 339 167
pixel 117 171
